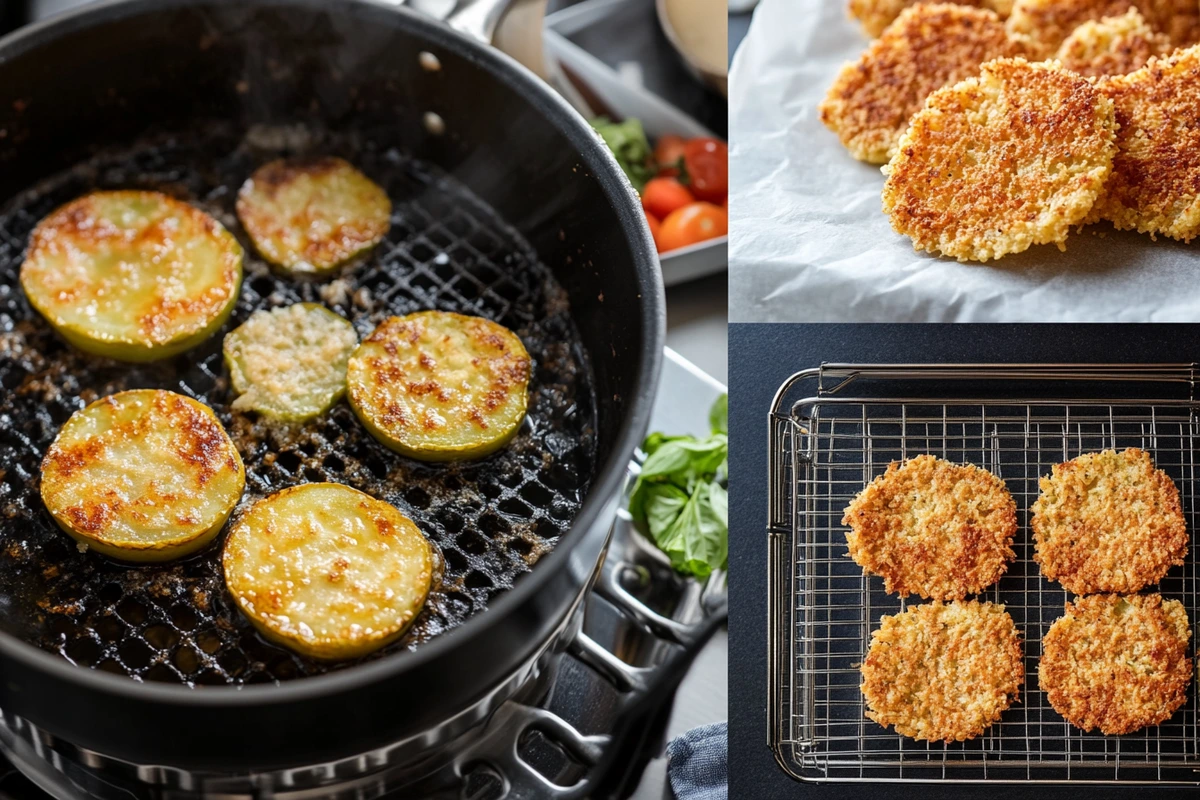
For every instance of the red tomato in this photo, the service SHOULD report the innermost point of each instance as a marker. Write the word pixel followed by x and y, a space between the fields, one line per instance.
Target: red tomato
pixel 707 164
pixel 668 152
pixel 693 223
pixel 655 230
pixel 663 195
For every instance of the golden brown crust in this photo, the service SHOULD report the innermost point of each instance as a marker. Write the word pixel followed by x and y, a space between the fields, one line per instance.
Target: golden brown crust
pixel 876 15
pixel 312 214
pixel 943 672
pixel 1155 185
pixel 996 164
pixel 1117 663
pixel 927 47
pixel 1043 25
pixel 1113 46
pixel 1108 522
pixel 142 474
pixel 933 528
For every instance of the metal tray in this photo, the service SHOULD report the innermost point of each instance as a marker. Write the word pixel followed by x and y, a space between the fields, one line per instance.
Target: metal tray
pixel 835 428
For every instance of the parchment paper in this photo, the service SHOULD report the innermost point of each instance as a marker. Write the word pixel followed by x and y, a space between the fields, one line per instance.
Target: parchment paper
pixel 809 240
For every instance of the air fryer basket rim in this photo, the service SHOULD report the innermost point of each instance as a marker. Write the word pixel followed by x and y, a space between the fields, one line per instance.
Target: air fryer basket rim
pixel 609 475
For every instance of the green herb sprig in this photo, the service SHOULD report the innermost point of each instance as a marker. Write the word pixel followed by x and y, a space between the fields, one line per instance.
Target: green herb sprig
pixel 680 497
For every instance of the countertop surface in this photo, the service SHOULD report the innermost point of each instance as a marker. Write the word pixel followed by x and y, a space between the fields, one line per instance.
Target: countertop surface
pixel 762 357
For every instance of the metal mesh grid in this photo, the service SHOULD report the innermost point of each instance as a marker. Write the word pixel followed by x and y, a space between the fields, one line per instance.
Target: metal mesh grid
pixel 831 608
pixel 490 519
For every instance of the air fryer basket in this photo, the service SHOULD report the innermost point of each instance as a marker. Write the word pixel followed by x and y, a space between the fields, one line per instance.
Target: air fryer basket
pixel 507 204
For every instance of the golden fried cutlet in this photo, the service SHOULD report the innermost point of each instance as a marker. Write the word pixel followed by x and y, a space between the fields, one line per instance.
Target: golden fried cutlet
pixel 1117 663
pixel 1108 522
pixel 1155 185
pixel 926 48
pixel 1043 25
pixel 933 528
pixel 876 15
pixel 1113 46
pixel 943 672
pixel 998 163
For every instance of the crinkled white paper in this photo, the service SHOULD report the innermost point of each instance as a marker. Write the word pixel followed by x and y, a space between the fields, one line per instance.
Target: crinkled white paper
pixel 809 241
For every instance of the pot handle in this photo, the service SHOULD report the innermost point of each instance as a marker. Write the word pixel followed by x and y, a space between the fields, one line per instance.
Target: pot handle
pixel 512 26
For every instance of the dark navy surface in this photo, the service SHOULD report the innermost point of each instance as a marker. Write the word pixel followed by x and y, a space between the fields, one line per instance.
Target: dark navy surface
pixel 761 357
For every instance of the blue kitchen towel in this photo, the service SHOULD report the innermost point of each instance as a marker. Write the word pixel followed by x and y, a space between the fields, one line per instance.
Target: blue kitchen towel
pixel 698 763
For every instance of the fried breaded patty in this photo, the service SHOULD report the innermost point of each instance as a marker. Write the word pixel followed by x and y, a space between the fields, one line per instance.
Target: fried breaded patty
pixel 933 528
pixel 1113 46
pixel 1117 663
pixel 1043 25
pixel 926 48
pixel 998 163
pixel 1155 183
pixel 943 672
pixel 1108 522
pixel 876 15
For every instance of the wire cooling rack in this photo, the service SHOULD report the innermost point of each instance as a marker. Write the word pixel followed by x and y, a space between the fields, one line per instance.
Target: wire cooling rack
pixel 834 429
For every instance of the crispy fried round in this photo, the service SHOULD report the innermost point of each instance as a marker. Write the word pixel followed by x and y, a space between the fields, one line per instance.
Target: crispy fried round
pixel 998 163
pixel 311 215
pixel 1155 183
pixel 1113 46
pixel 876 15
pixel 1117 663
pixel 1043 25
pixel 1108 522
pixel 933 528
pixel 926 48
pixel 943 672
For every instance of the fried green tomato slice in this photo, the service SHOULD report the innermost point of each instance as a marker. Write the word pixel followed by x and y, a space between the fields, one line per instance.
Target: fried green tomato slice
pixel 146 475
pixel 130 275
pixel 328 571
pixel 290 363
pixel 1116 663
pixel 439 386
pixel 312 215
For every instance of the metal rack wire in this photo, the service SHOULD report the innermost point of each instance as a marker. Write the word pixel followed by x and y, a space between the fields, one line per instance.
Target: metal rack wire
pixel 826 445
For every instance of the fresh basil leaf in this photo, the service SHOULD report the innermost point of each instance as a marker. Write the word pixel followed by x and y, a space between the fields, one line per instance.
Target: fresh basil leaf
pixel 657 440
pixel 698 540
pixel 684 459
pixel 663 505
pixel 718 415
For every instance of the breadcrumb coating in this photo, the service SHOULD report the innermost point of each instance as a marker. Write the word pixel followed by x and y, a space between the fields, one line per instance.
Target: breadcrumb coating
pixel 1117 663
pixel 933 528
pixel 876 15
pixel 996 164
pixel 927 47
pixel 1108 522
pixel 943 671
pixel 1155 185
pixel 1043 25
pixel 1113 46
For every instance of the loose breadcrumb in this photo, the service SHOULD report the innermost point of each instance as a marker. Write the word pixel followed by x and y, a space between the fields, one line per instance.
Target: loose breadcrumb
pixel 933 528
pixel 1108 522
pixel 876 15
pixel 996 164
pixel 1113 46
pixel 1155 185
pixel 1117 663
pixel 943 672
pixel 1043 25
pixel 927 47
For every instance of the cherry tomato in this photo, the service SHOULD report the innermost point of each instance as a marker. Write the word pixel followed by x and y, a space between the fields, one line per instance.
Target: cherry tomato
pixel 707 164
pixel 655 230
pixel 663 195
pixel 667 153
pixel 693 223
